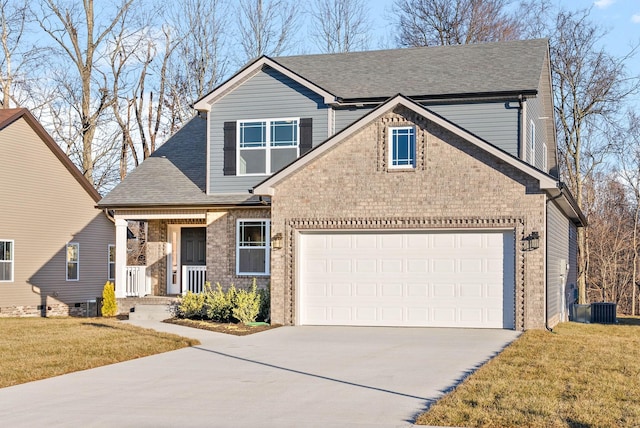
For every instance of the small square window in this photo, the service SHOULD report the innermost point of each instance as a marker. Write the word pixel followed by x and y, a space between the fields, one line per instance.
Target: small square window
pixel 73 261
pixel 402 147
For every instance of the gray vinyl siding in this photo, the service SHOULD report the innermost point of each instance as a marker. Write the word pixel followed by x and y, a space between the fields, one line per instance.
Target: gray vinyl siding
pixel 495 122
pixel 559 245
pixel 43 208
pixel 536 114
pixel 346 116
pixel 267 95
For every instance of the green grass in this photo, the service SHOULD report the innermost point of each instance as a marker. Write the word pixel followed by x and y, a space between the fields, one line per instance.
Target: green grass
pixel 38 348
pixel 581 375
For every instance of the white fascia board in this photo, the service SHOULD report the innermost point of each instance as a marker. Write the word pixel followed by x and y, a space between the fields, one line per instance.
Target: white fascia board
pixel 267 186
pixel 205 103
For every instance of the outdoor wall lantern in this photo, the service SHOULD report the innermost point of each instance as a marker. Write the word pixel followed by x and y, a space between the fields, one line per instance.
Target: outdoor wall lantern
pixel 276 241
pixel 531 242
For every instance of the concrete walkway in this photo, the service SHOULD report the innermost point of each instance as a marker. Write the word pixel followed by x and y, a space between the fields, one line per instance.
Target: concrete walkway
pixel 286 377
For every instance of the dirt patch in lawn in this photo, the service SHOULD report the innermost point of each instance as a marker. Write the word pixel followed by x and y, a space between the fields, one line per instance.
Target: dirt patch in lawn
pixel 227 328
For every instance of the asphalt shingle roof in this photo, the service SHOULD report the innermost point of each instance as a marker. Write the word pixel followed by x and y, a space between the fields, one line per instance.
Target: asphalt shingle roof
pixel 512 66
pixel 175 174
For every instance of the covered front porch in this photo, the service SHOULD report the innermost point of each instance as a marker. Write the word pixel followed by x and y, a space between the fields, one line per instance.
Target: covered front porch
pixel 164 255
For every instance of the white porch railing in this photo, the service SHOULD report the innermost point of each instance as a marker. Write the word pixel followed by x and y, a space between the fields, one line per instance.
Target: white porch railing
pixel 193 278
pixel 137 283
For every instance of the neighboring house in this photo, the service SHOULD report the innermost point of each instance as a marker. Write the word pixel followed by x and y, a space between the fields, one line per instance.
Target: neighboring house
pixel 408 187
pixel 56 249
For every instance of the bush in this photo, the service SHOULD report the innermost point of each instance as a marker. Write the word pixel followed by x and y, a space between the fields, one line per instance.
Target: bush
pixel 109 303
pixel 191 305
pixel 217 304
pixel 265 303
pixel 246 304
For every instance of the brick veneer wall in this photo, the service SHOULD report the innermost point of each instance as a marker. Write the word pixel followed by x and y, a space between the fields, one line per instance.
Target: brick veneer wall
pixel 221 246
pixel 455 185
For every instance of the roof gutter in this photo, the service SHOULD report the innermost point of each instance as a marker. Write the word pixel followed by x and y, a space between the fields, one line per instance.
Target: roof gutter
pixel 484 96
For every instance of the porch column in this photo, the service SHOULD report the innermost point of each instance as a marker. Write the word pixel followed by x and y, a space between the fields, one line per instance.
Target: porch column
pixel 121 257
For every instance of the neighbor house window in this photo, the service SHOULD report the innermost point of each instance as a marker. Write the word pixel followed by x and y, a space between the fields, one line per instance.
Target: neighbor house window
pixel 402 147
pixel 6 260
pixel 265 146
pixel 252 250
pixel 73 261
pixel 111 262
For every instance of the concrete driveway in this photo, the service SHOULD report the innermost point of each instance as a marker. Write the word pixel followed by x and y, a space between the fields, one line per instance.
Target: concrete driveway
pixel 286 377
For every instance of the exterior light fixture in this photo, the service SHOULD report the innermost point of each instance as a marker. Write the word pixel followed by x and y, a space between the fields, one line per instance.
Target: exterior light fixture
pixel 276 241
pixel 531 242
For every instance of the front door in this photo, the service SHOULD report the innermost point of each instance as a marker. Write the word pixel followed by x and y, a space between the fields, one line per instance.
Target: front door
pixel 186 247
pixel 193 259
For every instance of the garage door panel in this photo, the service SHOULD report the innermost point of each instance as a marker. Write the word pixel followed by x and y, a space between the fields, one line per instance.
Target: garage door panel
pixel 407 279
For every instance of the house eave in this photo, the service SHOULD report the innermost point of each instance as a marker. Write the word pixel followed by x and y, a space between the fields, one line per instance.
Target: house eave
pixel 452 97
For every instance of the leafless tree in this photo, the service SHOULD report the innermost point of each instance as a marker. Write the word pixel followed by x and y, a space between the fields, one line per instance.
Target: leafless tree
pixel 628 157
pixel 199 61
pixel 340 25
pixel 454 22
pixel 589 87
pixel 18 83
pixel 266 27
pixel 81 40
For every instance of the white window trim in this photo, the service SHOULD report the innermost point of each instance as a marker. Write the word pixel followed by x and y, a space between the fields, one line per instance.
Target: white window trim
pixel 532 143
pixel 12 261
pixel 267 247
pixel 544 157
pixel 390 148
pixel 109 262
pixel 267 146
pixel 66 257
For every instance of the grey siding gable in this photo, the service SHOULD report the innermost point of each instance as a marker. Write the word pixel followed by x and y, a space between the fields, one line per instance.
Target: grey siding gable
pixel 561 245
pixel 266 95
pixel 535 114
pixel 495 122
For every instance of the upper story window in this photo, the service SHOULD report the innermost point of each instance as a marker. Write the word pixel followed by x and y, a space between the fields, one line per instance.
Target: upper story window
pixel 73 261
pixel 402 147
pixel 6 260
pixel 265 146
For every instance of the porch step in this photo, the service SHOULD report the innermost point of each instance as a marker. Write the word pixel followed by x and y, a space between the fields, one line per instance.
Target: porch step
pixel 156 312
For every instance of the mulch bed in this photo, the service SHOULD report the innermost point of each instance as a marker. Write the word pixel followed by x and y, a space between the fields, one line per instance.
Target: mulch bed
pixel 227 328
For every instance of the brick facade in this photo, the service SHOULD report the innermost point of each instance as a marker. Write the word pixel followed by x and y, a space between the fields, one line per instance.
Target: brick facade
pixel 455 185
pixel 221 246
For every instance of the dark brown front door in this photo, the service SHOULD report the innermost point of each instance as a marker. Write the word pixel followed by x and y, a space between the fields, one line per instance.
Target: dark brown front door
pixel 193 247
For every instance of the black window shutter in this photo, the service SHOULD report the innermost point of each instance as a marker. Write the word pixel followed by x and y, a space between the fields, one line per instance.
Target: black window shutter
pixel 230 148
pixel 306 137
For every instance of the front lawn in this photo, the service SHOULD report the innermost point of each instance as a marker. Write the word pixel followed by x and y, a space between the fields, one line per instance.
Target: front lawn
pixel 38 348
pixel 581 375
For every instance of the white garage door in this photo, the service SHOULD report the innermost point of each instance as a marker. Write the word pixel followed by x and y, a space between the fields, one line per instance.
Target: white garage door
pixel 435 279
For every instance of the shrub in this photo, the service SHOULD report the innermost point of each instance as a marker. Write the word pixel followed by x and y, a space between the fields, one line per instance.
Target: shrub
pixel 265 303
pixel 217 304
pixel 191 305
pixel 109 303
pixel 246 304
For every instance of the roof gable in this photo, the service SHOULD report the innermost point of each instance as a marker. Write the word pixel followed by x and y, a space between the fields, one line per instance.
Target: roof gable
pixel 9 116
pixel 266 187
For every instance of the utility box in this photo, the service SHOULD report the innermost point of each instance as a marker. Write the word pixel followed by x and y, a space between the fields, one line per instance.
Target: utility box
pixel 580 313
pixel 604 312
